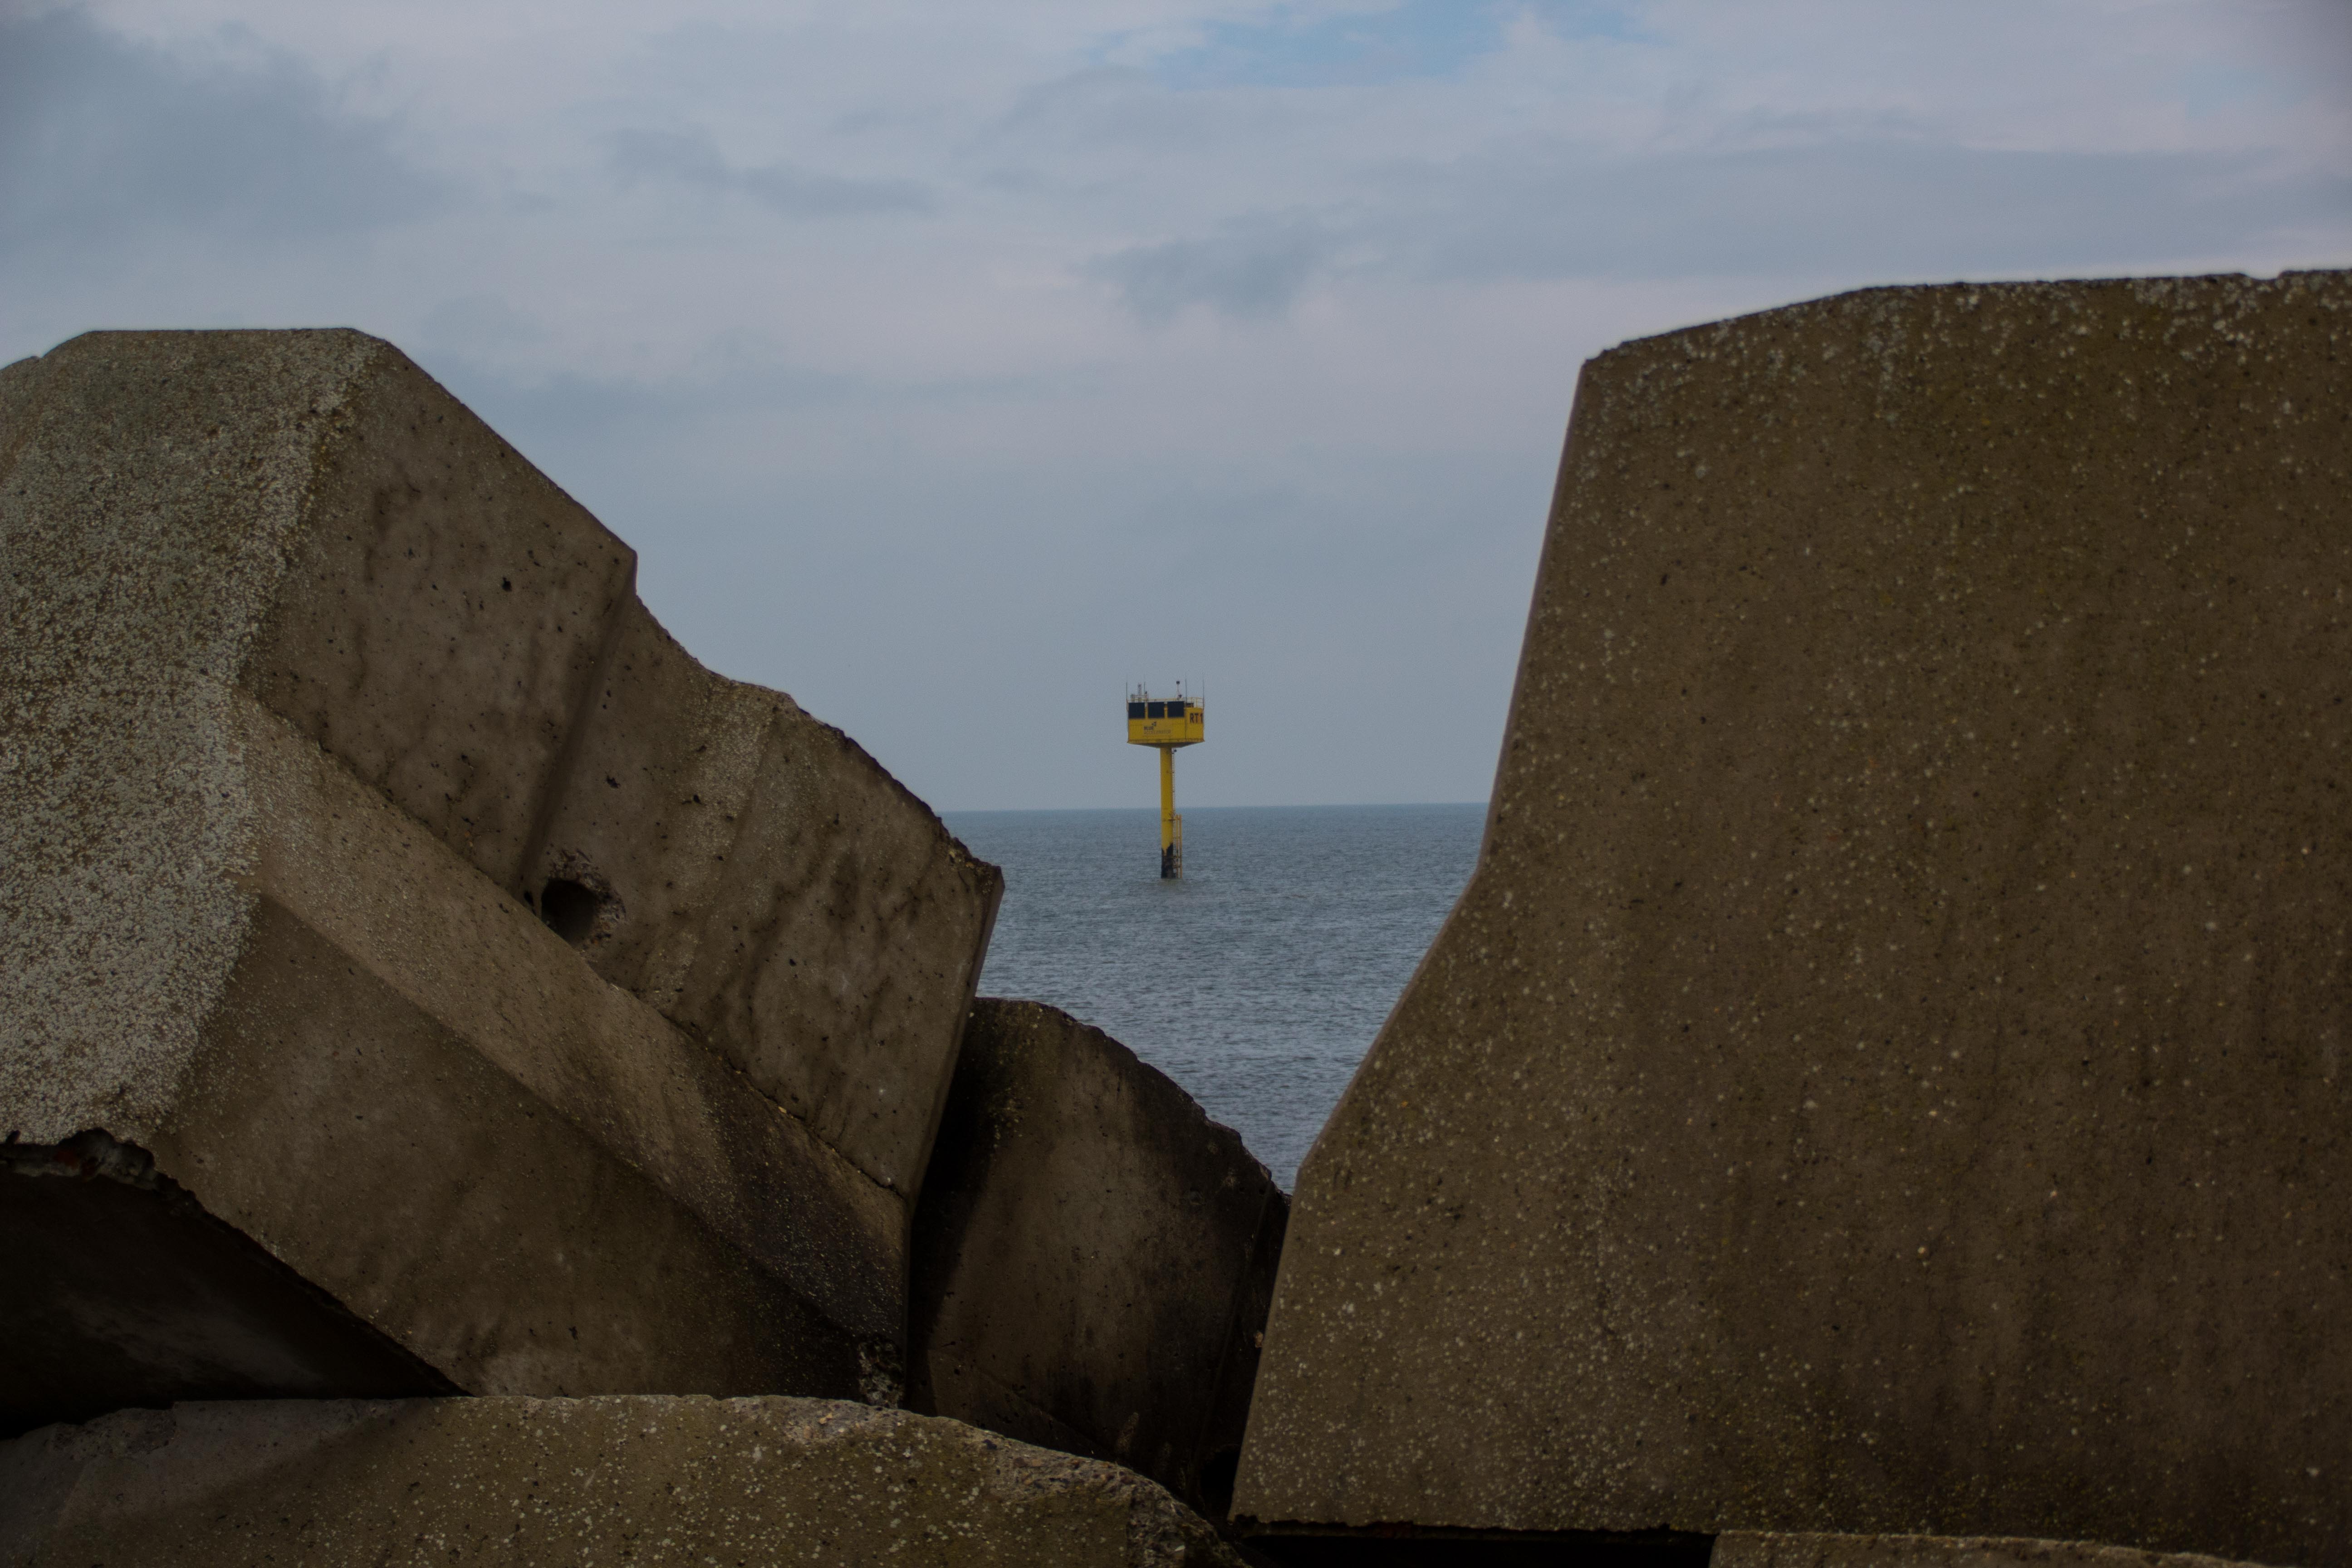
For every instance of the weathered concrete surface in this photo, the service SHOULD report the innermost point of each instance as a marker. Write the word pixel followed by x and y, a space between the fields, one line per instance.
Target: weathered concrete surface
pixel 302 670
pixel 1093 1257
pixel 771 889
pixel 527 1481
pixel 412 1094
pixel 1889 1070
pixel 1750 1548
pixel 300 517
pixel 1416 1546
pixel 1411 1547
pixel 307 518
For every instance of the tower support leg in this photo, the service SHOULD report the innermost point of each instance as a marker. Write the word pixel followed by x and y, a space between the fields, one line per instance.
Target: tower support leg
pixel 1172 826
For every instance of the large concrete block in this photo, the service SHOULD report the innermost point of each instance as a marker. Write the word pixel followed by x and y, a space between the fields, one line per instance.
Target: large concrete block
pixel 410 1142
pixel 1400 1546
pixel 1889 1071
pixel 309 682
pixel 1749 1549
pixel 308 518
pixel 761 880
pixel 527 1481
pixel 1093 1257
pixel 191 516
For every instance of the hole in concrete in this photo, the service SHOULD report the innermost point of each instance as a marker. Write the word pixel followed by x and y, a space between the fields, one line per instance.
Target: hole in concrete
pixel 570 909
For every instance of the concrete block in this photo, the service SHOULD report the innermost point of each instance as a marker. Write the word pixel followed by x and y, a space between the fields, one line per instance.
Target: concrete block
pixel 1093 1257
pixel 309 683
pixel 1888 1071
pixel 1400 1546
pixel 756 875
pixel 647 1481
pixel 302 518
pixel 1751 1548
pixel 406 1131
pixel 309 518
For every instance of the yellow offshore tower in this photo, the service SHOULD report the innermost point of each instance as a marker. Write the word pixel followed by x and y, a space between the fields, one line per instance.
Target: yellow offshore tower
pixel 1166 723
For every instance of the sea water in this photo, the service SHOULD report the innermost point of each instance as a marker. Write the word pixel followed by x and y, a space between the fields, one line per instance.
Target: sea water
pixel 1258 980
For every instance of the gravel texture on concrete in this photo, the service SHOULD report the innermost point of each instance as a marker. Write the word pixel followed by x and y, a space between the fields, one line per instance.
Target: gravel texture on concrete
pixel 1891 1066
pixel 420 917
pixel 1749 1549
pixel 649 1480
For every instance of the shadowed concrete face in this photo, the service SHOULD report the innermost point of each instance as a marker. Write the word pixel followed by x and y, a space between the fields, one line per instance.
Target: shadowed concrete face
pixel 303 663
pixel 172 1302
pixel 1093 1256
pixel 1889 1071
pixel 648 1479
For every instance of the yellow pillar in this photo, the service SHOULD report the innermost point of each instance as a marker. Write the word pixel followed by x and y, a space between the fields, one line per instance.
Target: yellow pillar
pixel 1172 826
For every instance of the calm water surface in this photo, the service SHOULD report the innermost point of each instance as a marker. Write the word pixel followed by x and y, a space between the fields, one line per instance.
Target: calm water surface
pixel 1259 979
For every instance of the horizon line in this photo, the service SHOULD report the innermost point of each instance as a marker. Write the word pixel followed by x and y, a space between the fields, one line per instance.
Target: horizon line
pixel 1154 811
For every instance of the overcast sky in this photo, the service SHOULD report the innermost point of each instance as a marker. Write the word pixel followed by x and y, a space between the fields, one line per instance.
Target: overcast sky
pixel 951 365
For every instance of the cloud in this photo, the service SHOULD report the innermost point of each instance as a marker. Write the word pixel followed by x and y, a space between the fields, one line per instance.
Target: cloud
pixel 855 452
pixel 102 139
pixel 1891 208
pixel 1253 268
pixel 692 160
pixel 1294 46
pixel 1896 208
pixel 474 322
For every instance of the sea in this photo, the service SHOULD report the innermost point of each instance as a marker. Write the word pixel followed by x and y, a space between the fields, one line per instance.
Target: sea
pixel 1258 980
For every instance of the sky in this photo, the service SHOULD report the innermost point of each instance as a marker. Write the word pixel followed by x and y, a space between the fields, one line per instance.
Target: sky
pixel 954 367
